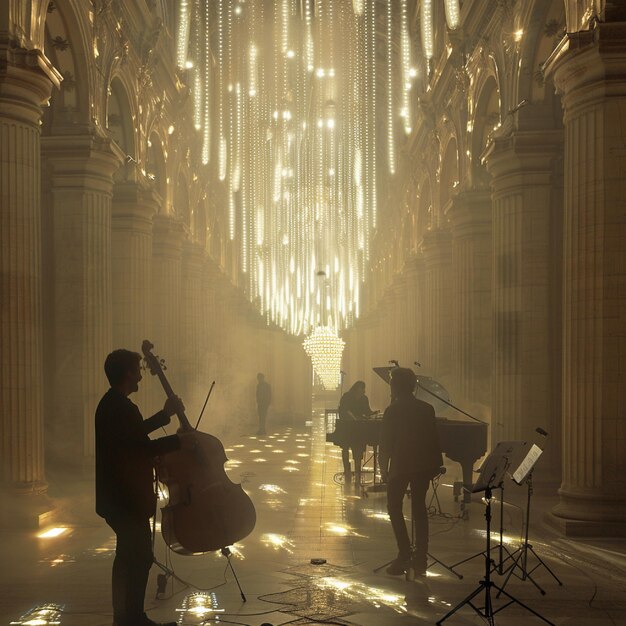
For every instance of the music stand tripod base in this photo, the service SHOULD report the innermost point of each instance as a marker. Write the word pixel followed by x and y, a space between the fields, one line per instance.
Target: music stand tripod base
pixel 491 477
pixel 520 556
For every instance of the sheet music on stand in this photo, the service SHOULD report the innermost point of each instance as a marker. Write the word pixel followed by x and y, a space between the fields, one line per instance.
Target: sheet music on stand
pixel 520 457
pixel 527 464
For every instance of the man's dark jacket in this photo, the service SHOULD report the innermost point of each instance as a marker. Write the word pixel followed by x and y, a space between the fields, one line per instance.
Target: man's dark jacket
pixel 409 439
pixel 125 457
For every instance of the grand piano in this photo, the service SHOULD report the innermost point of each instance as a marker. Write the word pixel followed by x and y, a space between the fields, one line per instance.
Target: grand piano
pixel 462 441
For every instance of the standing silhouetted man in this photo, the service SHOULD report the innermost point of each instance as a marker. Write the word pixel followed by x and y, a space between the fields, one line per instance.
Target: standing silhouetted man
pixel 409 455
pixel 125 495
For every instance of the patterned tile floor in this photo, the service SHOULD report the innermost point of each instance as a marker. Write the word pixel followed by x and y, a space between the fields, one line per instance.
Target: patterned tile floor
pixel 304 513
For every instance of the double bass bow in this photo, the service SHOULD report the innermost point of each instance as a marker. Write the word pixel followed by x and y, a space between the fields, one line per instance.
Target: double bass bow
pixel 206 510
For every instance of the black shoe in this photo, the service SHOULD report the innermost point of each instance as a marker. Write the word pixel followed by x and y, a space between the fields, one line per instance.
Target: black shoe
pixel 398 566
pixel 418 567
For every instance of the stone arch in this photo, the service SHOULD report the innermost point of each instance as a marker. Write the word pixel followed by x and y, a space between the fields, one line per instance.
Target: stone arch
pixel 199 222
pixel 66 46
pixel 155 166
pixel 425 209
pixel 440 30
pixel 449 173
pixel 487 117
pixel 216 243
pixel 182 204
pixel 121 126
pixel 542 29
pixel 406 247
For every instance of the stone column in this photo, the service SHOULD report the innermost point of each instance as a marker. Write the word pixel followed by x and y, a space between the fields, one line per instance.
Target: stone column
pixel 591 74
pixel 167 243
pixel 25 85
pixel 470 215
pixel 212 304
pixel 526 290
pixel 81 174
pixel 194 329
pixel 414 277
pixel 395 326
pixel 373 357
pixel 131 263
pixel 437 305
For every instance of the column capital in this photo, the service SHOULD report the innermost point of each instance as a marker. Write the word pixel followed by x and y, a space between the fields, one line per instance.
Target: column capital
pixel 26 81
pixel 436 246
pixel 470 212
pixel 413 265
pixel 168 235
pixel 80 161
pixel 588 66
pixel 134 206
pixel 528 154
pixel 193 258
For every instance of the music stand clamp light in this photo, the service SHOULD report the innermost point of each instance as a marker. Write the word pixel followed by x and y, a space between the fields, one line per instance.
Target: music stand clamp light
pixel 492 473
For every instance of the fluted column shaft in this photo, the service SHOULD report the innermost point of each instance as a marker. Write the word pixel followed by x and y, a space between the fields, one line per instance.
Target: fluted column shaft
pixel 167 245
pixel 194 329
pixel 470 214
pixel 526 295
pixel 25 85
pixel 396 326
pixel 414 278
pixel 131 245
pixel 437 305
pixel 81 178
pixel 591 75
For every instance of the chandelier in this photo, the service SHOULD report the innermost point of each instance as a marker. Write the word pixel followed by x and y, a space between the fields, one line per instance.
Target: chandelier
pixel 325 348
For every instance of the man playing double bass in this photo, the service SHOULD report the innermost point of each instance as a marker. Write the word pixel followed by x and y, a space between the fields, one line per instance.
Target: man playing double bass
pixel 125 495
pixel 409 454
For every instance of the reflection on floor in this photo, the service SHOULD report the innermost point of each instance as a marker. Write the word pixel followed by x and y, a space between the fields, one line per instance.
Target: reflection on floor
pixel 62 575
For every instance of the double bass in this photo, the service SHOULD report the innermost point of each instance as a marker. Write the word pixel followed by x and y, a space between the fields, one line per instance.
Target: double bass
pixel 206 511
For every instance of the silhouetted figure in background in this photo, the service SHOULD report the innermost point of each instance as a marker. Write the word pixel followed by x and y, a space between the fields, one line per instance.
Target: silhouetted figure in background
pixel 125 494
pixel 409 454
pixel 354 405
pixel 263 401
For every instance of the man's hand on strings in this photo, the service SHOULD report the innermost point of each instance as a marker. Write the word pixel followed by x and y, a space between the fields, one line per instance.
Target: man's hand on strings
pixel 173 405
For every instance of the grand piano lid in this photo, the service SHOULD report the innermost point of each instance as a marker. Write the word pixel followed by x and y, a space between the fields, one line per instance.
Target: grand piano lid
pixel 384 372
pixel 426 390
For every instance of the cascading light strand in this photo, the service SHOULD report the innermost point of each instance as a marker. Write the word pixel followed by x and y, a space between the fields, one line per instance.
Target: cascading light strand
pixel 426 14
pixel 206 137
pixel 183 34
pixel 391 156
pixel 453 14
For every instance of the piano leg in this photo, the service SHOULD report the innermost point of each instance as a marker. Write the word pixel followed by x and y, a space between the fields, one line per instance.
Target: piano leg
pixel 467 465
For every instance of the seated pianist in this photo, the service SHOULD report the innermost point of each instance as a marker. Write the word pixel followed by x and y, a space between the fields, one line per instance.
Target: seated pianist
pixel 354 405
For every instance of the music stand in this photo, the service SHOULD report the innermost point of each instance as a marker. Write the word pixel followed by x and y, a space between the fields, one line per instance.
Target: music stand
pixel 524 473
pixel 491 476
pixel 515 452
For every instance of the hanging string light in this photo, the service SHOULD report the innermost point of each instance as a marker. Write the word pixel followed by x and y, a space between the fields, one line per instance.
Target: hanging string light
pixel 390 112
pixel 287 89
pixel 453 13
pixel 427 28
pixel 183 34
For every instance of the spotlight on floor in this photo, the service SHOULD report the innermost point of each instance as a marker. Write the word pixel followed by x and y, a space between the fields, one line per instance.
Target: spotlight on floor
pixel 41 615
